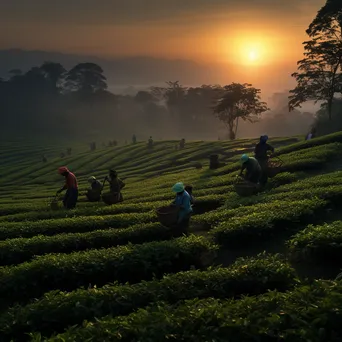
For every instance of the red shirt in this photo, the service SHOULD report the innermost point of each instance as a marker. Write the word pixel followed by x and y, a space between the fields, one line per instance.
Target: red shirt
pixel 71 181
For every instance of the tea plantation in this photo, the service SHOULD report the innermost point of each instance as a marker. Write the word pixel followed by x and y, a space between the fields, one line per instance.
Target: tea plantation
pixel 258 268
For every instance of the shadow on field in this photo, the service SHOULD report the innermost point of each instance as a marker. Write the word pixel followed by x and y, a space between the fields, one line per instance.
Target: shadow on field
pixel 277 244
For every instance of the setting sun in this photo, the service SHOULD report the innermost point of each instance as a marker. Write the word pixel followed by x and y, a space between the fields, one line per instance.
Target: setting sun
pixel 251 49
pixel 252 53
pixel 253 56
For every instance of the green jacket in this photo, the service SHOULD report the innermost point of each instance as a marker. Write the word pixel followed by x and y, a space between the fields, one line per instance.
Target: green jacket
pixel 251 166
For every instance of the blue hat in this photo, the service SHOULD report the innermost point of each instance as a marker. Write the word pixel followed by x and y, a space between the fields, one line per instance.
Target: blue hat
pixel 244 158
pixel 178 187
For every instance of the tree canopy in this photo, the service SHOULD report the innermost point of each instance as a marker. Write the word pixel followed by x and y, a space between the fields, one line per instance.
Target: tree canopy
pixel 49 99
pixel 319 75
pixel 238 101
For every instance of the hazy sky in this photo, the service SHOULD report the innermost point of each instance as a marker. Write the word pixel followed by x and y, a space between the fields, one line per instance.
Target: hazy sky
pixel 234 31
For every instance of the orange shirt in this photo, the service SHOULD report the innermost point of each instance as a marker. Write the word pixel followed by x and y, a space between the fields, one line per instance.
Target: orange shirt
pixel 71 181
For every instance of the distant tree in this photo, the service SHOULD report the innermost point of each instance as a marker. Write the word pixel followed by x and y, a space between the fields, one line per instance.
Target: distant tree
pixel 34 81
pixel 53 72
pixel 86 78
pixel 319 76
pixel 173 95
pixel 144 97
pixel 238 101
pixel 199 100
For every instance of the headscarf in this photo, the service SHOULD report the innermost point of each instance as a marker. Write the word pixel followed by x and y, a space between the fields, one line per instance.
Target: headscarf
pixel 62 170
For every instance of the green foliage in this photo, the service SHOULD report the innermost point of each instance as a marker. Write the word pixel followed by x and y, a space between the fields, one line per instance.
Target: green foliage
pixel 319 75
pixel 234 201
pixel 265 220
pixel 31 213
pixel 323 124
pixel 311 183
pixel 86 78
pixel 74 225
pixel 130 263
pixel 314 158
pixel 302 145
pixel 238 101
pixel 58 310
pixel 28 228
pixel 321 243
pixel 309 313
pixel 326 187
pixel 15 251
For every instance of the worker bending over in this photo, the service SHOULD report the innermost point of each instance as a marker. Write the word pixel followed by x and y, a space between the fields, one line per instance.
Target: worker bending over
pixel 94 193
pixel 252 167
pixel 71 187
pixel 183 202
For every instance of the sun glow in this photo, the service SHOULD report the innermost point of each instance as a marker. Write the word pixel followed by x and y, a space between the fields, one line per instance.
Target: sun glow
pixel 251 50
pixel 252 55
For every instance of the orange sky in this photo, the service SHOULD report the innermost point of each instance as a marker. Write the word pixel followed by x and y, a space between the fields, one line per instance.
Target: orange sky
pixel 203 30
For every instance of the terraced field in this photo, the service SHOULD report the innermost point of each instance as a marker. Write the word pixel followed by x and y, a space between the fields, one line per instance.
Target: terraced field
pixel 261 268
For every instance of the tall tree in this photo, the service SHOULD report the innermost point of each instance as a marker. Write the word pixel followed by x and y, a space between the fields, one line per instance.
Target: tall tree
pixel 239 101
pixel 319 75
pixel 86 78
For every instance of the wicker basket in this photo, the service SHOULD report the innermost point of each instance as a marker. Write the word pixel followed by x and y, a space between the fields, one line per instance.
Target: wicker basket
pixel 274 167
pixel 112 198
pixel 168 215
pixel 54 204
pixel 245 189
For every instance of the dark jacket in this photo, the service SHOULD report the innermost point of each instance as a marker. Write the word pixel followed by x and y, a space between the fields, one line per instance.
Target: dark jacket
pixel 96 186
pixel 116 184
pixel 261 150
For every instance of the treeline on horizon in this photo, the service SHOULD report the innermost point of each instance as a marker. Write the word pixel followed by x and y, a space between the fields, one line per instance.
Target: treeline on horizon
pixel 50 100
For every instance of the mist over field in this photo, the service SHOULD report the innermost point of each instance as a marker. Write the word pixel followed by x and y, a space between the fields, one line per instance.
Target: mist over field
pixel 39 99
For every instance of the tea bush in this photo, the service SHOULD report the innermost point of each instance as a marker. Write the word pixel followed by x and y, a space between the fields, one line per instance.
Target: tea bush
pixel 130 263
pixel 321 243
pixel 15 251
pixel 326 139
pixel 58 310
pixel 126 208
pixel 309 313
pixel 267 220
pixel 31 231
pixel 309 183
pixel 312 158
pixel 71 225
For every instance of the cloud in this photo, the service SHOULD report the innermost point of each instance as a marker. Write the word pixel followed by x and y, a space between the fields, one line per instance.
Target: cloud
pixel 121 12
pixel 198 29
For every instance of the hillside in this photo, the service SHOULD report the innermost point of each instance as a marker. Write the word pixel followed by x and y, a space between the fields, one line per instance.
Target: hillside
pixel 256 268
